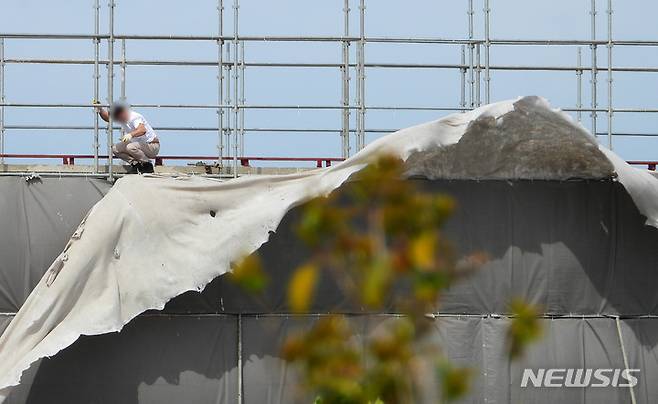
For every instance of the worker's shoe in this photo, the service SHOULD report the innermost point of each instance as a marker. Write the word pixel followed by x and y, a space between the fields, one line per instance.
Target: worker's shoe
pixel 146 167
pixel 132 168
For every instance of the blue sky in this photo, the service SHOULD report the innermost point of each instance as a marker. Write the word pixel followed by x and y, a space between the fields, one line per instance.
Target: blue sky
pixel 557 19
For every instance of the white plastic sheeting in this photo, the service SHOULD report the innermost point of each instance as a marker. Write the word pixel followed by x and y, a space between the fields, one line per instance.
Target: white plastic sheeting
pixel 153 238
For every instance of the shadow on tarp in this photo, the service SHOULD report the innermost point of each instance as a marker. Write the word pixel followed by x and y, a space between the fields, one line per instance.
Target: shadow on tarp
pixel 168 364
pixel 574 247
pixel 155 359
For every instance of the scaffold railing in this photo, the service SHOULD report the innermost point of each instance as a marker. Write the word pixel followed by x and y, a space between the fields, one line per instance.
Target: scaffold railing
pixel 474 67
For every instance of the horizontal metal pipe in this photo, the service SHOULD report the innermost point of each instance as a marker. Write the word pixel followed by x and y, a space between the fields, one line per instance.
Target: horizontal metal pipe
pixel 322 65
pixel 90 174
pixel 277 130
pixel 34 105
pixel 53 174
pixel 209 106
pixel 546 316
pixel 189 129
pixel 303 107
pixel 428 40
pixel 174 157
pixel 167 128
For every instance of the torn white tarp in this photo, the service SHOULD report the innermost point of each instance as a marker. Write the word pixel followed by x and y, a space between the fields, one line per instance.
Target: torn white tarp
pixel 152 238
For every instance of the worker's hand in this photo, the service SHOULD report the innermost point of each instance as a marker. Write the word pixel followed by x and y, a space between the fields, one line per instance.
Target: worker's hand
pixel 126 138
pixel 96 102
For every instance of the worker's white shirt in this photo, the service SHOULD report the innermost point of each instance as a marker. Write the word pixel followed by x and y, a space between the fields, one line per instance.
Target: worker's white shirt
pixel 134 121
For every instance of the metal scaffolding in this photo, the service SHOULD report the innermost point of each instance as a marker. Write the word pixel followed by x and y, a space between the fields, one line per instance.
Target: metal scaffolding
pixel 474 66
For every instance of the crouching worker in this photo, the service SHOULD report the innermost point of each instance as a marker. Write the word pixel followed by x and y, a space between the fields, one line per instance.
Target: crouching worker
pixel 139 144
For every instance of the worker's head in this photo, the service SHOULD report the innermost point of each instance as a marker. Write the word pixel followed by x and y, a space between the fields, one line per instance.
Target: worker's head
pixel 120 111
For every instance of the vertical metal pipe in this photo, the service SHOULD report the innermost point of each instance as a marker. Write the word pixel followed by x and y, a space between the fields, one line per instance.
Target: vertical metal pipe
pixel 123 69
pixel 624 356
pixel 610 111
pixel 220 81
pixel 236 78
pixel 110 89
pixel 122 96
pixel 97 76
pixel 357 95
pixel 345 134
pixel 240 362
pixel 242 99
pixel 462 100
pixel 594 67
pixel 2 100
pixel 228 130
pixel 487 55
pixel 362 87
pixel 471 53
pixel 579 85
pixel 478 79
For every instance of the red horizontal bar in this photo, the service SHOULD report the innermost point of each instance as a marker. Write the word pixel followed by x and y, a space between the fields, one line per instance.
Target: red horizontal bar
pixel 244 159
pixel 651 165
pixel 70 158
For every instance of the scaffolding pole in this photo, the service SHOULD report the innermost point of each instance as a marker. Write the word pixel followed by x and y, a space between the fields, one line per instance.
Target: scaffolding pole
pixel 240 360
pixel 2 101
pixel 236 89
pixel 123 70
pixel 471 53
pixel 220 83
pixel 337 65
pixel 357 93
pixel 228 131
pixel 110 90
pixel 96 82
pixel 594 80
pixel 292 38
pixel 610 111
pixel 345 70
pixel 478 76
pixel 579 84
pixel 362 76
pixel 242 99
pixel 487 53
pixel 462 87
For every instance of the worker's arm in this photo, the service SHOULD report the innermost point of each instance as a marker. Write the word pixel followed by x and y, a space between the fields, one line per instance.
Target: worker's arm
pixel 139 131
pixel 102 112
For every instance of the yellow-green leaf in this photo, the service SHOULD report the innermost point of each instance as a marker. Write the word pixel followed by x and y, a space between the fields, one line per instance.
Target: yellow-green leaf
pixel 525 327
pixel 422 250
pixel 248 274
pixel 301 288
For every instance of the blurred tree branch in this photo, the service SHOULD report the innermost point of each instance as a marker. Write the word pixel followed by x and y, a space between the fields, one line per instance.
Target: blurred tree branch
pixel 384 247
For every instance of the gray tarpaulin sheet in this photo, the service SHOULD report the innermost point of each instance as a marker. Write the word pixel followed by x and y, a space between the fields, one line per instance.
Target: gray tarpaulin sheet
pixel 193 359
pixel 478 343
pixel 4 321
pixel 570 246
pixel 574 246
pixel 155 359
pixel 36 221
